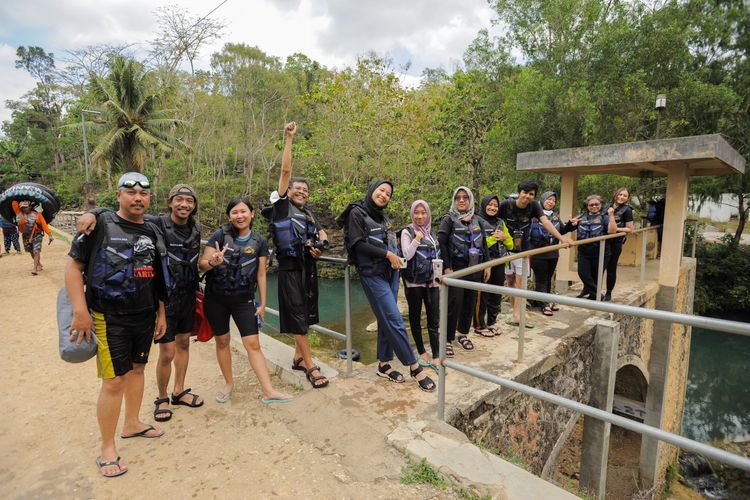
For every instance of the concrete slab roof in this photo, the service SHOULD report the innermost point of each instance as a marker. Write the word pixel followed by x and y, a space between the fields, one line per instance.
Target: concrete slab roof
pixel 700 154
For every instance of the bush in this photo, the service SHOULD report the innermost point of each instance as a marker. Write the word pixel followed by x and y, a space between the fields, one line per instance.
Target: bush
pixel 722 278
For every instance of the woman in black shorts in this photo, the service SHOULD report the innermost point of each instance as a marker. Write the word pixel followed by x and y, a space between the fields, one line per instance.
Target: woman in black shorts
pixel 235 260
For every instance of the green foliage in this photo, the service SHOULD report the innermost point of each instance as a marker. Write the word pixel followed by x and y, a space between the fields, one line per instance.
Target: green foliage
pixel 722 279
pixel 422 473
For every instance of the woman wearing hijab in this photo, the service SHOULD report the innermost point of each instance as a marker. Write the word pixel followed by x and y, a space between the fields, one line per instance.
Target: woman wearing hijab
pixel 623 216
pixel 499 241
pixel 462 244
pixel 371 245
pixel 420 248
pixel 544 264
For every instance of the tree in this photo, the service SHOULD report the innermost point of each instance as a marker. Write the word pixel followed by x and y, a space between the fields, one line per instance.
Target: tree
pixel 136 123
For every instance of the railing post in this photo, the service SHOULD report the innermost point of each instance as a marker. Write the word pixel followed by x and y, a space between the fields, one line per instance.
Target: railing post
pixel 695 237
pixel 644 258
pixel 348 321
pixel 443 335
pixel 522 319
pixel 600 270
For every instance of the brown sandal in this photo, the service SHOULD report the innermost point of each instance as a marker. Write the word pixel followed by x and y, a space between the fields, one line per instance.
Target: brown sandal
pixel 313 379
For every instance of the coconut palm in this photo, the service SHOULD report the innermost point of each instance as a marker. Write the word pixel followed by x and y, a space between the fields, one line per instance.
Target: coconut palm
pixel 131 110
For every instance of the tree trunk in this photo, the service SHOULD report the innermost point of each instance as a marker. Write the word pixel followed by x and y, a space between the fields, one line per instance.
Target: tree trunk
pixel 741 218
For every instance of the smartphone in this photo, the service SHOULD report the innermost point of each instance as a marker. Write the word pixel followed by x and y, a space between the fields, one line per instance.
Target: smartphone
pixel 403 262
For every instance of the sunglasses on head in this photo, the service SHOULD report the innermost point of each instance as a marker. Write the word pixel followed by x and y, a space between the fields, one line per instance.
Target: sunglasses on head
pixel 131 184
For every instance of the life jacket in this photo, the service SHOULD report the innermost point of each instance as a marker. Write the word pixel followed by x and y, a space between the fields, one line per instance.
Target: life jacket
pixel 292 232
pixel 111 274
pixel 497 250
pixel 182 256
pixel 518 221
pixel 239 270
pixel 591 226
pixel 465 238
pixel 379 234
pixel 419 267
pixel 619 212
pixel 539 236
pixel 27 222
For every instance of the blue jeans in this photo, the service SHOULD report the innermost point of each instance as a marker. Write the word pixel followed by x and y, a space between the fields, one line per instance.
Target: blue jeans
pixel 382 295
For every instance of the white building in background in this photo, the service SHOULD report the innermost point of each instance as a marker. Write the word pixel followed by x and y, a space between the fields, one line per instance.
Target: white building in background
pixel 718 212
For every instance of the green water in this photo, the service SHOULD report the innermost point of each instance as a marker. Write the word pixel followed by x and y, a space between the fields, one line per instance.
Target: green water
pixel 717 405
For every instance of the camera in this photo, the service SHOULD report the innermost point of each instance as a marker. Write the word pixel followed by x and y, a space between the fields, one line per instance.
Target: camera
pixel 320 245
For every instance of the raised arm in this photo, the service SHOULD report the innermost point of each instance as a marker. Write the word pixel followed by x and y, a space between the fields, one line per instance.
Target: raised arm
pixel 286 158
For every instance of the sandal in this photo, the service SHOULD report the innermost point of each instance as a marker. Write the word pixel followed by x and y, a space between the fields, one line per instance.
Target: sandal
pixel 426 384
pixel 162 411
pixel 313 379
pixel 449 350
pixel 516 324
pixel 465 342
pixel 297 365
pixel 485 332
pixel 389 373
pixel 177 399
pixel 547 311
pixel 554 307
pixel 116 462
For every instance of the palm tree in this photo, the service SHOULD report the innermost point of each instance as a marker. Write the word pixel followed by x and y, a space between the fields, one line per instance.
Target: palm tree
pixel 131 109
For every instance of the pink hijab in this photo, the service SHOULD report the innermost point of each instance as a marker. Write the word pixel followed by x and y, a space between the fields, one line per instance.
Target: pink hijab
pixel 427 228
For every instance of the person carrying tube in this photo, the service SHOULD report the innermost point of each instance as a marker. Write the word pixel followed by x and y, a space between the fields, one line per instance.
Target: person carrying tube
pixel 299 241
pixel 371 246
pixel 462 244
pixel 121 262
pixel 182 235
pixel 235 260
pixel 591 224
pixel 32 226
pixel 499 241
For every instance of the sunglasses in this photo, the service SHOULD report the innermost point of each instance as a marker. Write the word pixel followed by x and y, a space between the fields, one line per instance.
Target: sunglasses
pixel 594 204
pixel 131 184
pixel 460 198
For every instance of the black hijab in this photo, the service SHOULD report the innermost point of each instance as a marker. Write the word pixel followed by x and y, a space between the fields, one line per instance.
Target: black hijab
pixel 492 219
pixel 367 204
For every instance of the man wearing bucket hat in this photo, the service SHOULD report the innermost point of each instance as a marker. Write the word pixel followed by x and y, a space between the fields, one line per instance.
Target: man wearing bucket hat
pixel 182 237
pixel 122 262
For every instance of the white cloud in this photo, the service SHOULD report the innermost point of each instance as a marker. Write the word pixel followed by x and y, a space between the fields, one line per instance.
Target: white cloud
pixel 13 82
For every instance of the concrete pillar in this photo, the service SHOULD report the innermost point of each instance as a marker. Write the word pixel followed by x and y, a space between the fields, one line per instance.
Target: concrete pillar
pixel 675 212
pixel 566 266
pixel 595 446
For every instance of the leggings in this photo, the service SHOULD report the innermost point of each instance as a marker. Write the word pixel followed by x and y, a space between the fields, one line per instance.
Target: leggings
pixel 11 237
pixel 543 269
pixel 488 307
pixel 415 296
pixel 611 267
pixel 588 267
pixel 461 304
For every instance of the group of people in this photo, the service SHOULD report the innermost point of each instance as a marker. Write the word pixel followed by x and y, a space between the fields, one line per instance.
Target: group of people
pixel 132 279
pixel 31 226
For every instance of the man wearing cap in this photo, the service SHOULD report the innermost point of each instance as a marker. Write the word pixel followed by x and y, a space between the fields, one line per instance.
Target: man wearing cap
pixel 121 262
pixel 298 242
pixel 182 237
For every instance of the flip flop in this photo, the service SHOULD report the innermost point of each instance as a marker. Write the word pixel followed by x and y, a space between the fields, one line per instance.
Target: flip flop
pixel 144 433
pixel 426 364
pixel 116 462
pixel 177 399
pixel 516 324
pixel 485 332
pixel 547 311
pixel 224 397
pixel 554 307
pixel 270 401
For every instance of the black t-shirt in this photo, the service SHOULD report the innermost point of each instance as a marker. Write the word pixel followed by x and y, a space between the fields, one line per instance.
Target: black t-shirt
pixel 280 211
pixel 218 236
pixel 148 274
pixel 512 214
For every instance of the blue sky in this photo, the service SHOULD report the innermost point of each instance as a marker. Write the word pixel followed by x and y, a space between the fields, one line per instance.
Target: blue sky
pixel 425 33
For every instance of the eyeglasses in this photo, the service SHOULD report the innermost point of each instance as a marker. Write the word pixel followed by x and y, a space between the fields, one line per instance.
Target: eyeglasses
pixel 461 198
pixel 301 189
pixel 129 183
pixel 594 204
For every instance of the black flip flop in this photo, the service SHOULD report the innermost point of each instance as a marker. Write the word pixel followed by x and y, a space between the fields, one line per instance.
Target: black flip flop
pixel 143 434
pixel 177 399
pixel 161 411
pixel 102 465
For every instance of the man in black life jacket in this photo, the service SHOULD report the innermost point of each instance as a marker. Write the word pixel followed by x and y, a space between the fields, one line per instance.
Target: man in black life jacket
pixel 123 304
pixel 182 237
pixel 517 214
pixel 298 241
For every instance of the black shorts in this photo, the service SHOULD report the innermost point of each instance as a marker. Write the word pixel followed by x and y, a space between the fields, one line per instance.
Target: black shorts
pixel 218 308
pixel 298 300
pixel 123 339
pixel 180 318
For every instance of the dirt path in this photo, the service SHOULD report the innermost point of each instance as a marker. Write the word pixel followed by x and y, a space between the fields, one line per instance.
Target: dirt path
pixel 321 445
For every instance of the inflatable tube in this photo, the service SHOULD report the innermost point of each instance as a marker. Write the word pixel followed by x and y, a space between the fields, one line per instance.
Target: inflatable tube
pixel 70 351
pixel 42 195
pixel 342 354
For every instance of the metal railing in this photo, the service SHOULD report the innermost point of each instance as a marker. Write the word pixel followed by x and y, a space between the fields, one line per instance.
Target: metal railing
pixel 452 279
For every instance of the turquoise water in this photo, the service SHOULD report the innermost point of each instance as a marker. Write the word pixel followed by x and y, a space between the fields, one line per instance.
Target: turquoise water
pixel 717 405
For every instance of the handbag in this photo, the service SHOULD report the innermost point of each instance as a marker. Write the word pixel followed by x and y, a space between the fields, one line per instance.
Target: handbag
pixel 71 351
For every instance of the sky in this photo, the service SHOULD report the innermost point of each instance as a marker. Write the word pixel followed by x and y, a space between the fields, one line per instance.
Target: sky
pixel 418 33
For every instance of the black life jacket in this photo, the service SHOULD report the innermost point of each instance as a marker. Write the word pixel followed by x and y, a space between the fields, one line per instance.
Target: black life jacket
pixel 379 234
pixel 182 256
pixel 464 238
pixel 591 226
pixel 539 236
pixel 292 232
pixel 111 273
pixel 518 220
pixel 239 270
pixel 419 267
pixel 497 250
pixel 619 212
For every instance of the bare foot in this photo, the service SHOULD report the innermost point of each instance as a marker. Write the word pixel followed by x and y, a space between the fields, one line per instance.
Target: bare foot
pixel 277 395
